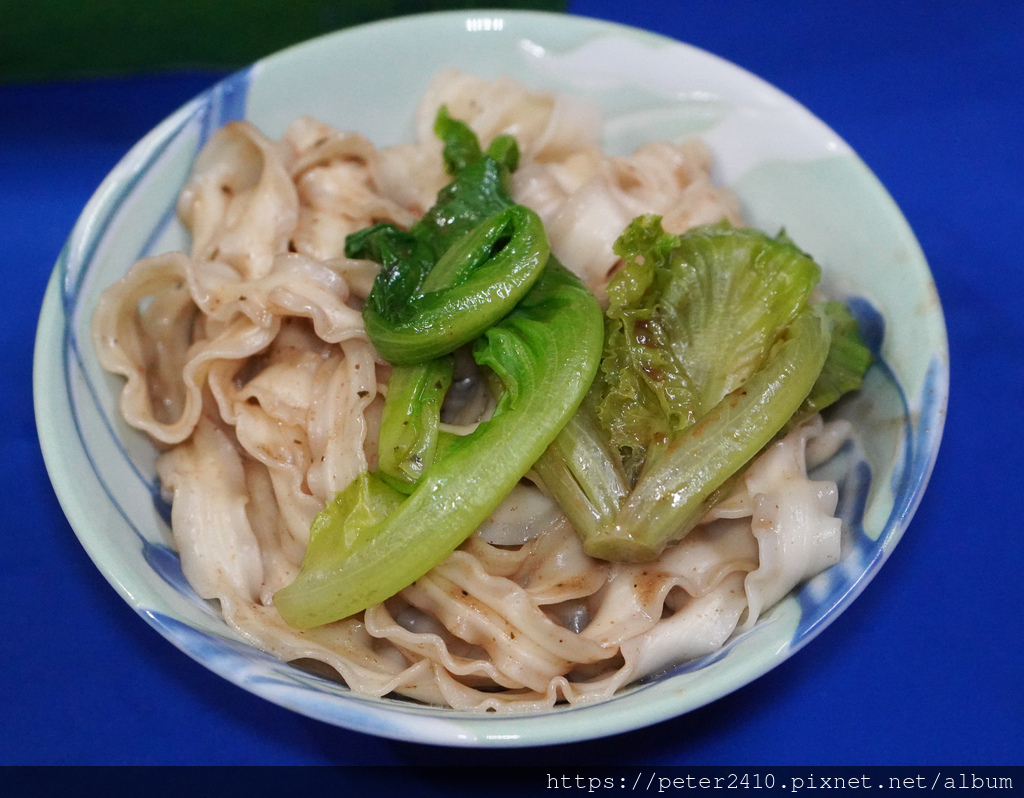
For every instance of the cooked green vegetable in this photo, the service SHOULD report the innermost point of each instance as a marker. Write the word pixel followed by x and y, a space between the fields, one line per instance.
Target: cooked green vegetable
pixel 473 285
pixel 690 319
pixel 672 496
pixel 438 289
pixel 477 267
pixel 443 282
pixel 848 359
pixel 476 282
pixel 711 350
pixel 410 426
pixel 372 541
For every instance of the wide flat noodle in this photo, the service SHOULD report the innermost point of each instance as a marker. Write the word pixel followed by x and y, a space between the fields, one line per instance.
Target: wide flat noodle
pixel 240 203
pixel 793 521
pixel 218 549
pixel 586 203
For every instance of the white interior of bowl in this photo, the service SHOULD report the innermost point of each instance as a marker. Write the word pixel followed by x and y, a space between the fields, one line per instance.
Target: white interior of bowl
pixel 788 169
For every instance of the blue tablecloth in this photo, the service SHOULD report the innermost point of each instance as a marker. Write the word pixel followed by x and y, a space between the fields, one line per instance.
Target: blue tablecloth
pixel 924 668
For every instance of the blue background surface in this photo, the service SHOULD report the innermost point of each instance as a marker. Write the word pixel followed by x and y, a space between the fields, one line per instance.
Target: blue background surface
pixel 924 668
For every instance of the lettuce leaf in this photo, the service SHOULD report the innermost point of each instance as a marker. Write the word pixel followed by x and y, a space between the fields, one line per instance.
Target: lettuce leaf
pixel 843 372
pixel 690 319
pixel 711 350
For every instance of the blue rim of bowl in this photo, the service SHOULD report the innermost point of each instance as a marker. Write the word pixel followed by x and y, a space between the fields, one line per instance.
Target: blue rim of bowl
pixel 239 663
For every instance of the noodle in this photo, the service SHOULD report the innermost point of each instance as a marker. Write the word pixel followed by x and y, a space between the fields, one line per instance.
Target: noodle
pixel 247 362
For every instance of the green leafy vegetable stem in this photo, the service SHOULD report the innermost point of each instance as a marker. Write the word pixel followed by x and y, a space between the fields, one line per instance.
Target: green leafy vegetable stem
pixel 372 541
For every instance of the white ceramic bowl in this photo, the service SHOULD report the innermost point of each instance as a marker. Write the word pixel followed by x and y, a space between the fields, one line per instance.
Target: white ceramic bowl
pixel 787 167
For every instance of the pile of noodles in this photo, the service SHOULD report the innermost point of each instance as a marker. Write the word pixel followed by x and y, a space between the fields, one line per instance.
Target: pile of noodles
pixel 247 363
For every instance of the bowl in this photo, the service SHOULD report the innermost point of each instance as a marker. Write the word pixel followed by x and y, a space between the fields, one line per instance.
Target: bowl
pixel 787 168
